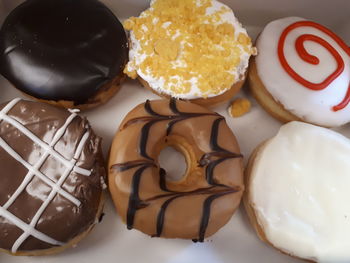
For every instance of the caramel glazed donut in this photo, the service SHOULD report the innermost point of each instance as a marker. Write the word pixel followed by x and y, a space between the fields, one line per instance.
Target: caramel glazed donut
pixel 201 202
pixel 52 177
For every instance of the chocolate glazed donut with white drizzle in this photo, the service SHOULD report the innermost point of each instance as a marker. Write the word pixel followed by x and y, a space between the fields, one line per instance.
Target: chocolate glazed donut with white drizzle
pixel 51 180
pixel 194 207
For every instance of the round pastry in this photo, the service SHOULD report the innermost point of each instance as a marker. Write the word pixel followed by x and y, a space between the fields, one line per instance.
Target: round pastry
pixel 192 50
pixel 193 207
pixel 66 52
pixel 51 181
pixel 298 195
pixel 302 72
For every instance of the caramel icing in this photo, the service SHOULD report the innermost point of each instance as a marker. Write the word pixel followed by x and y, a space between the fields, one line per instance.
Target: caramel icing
pixel 210 191
pixel 51 176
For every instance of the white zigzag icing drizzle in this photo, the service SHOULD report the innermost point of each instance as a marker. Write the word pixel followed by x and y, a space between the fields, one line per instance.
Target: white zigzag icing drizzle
pixel 33 170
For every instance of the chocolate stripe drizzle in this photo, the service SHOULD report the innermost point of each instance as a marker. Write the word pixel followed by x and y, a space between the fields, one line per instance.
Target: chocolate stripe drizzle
pixel 132 164
pixel 217 156
pixel 206 207
pixel 135 202
pixel 206 213
pixel 210 160
pixel 161 215
pixel 162 180
pixel 156 117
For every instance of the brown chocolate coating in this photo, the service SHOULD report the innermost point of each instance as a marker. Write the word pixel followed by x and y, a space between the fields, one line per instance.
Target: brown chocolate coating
pixel 204 199
pixel 62 50
pixel 61 220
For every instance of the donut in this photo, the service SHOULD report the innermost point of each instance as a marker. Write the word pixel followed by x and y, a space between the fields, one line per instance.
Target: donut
pixel 197 205
pixel 297 192
pixel 302 73
pixel 69 53
pixel 52 179
pixel 191 50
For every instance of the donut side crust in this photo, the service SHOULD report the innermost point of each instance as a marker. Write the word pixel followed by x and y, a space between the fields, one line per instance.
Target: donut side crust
pixel 102 96
pixel 209 102
pixel 265 99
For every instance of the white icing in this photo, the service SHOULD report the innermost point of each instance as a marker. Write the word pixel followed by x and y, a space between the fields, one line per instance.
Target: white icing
pixel 42 144
pixel 36 172
pixel 25 227
pixel 29 230
pixel 136 57
pixel 309 105
pixel 300 192
pixel 74 110
pixel 52 194
pixel 40 162
pixel 103 183
pixel 36 191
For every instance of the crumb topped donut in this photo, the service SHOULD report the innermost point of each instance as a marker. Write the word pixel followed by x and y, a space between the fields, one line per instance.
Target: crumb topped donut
pixel 66 52
pixel 302 72
pixel 194 207
pixel 298 195
pixel 52 175
pixel 189 50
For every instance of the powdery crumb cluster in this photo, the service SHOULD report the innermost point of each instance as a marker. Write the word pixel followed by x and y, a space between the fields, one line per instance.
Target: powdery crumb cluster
pixel 188 47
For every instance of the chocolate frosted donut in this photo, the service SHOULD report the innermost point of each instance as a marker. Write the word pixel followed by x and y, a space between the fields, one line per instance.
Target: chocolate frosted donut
pixel 68 52
pixel 201 202
pixel 51 177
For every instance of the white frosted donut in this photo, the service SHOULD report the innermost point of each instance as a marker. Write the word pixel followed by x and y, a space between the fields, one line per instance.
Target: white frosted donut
pixel 300 89
pixel 299 191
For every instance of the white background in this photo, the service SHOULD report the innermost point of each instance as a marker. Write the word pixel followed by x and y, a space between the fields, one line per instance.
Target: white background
pixel 236 242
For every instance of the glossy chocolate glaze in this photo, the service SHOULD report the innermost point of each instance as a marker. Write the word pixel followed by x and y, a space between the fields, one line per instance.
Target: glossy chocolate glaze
pixel 61 220
pixel 208 161
pixel 62 49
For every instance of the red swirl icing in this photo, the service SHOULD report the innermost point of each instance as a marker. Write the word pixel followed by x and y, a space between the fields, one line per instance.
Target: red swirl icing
pixel 307 57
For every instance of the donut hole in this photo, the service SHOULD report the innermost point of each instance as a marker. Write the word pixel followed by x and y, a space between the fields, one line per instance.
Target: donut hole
pixel 173 162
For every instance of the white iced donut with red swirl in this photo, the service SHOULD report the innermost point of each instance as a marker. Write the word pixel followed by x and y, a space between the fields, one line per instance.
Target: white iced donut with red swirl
pixel 302 72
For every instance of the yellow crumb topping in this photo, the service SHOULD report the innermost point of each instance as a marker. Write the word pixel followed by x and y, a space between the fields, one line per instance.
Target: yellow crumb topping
pixel 181 44
pixel 167 49
pixel 239 107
